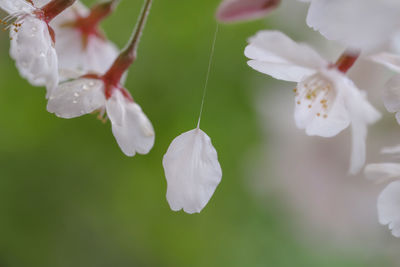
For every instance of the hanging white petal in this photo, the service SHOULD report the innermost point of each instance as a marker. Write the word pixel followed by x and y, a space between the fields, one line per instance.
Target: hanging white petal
pixel 192 171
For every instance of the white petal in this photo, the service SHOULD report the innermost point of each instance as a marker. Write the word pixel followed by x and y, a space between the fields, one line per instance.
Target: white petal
pixel 131 127
pixel 99 55
pixel 116 108
pixel 381 172
pixel 34 54
pixel 275 54
pixel 14 6
pixel 391 61
pixel 76 98
pixel 389 207
pixel 362 114
pixel 391 94
pixel 356 23
pixel 310 114
pixel 96 57
pixel 192 171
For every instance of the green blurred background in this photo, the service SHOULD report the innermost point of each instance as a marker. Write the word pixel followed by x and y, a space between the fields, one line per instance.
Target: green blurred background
pixel 69 197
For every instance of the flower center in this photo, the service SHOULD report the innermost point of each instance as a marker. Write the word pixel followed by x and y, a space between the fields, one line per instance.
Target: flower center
pixel 317 94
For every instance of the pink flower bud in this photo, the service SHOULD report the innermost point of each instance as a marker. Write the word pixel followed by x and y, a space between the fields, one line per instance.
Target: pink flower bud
pixel 239 10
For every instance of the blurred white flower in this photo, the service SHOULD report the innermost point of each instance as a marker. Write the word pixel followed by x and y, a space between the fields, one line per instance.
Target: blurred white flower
pixel 239 10
pixel 32 39
pixel 389 199
pixel 391 93
pixel 192 171
pixel 327 101
pixel 81 46
pixel 363 24
pixel 131 128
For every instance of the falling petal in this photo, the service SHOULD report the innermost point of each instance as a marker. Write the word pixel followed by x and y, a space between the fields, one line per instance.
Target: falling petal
pixel 192 170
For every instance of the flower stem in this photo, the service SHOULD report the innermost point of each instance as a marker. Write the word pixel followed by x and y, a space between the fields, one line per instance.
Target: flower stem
pixel 346 60
pixel 54 8
pixel 128 54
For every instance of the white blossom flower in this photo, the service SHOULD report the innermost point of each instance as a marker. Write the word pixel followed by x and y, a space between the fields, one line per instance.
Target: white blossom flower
pixel 327 102
pixel 364 24
pixel 130 126
pixel 239 10
pixel 389 200
pixel 32 39
pixel 192 171
pixel 105 93
pixel 81 46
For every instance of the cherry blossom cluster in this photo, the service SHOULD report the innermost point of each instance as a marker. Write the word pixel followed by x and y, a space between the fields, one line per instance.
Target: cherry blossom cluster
pixel 58 44
pixel 326 100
